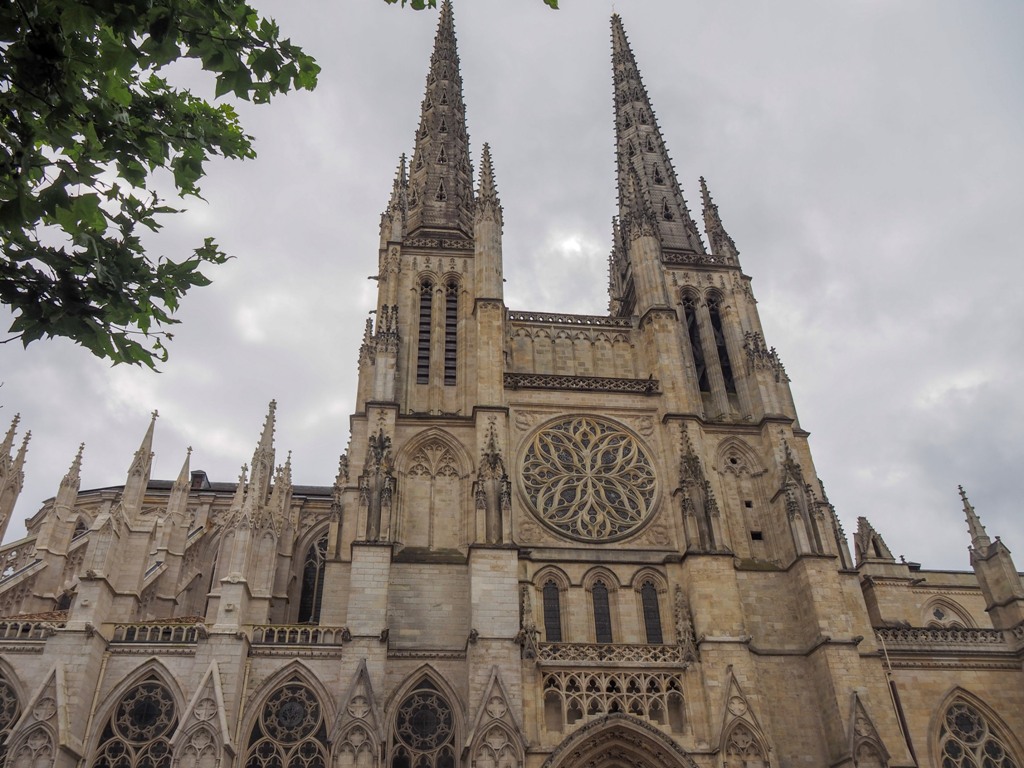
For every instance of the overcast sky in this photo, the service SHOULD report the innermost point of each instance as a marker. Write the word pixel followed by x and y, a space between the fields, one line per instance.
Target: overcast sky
pixel 867 158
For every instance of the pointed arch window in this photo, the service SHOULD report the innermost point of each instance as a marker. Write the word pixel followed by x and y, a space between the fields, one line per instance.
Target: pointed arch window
pixel 552 612
pixel 137 733
pixel 693 332
pixel 424 731
pixel 967 739
pixel 290 731
pixel 714 302
pixel 9 712
pixel 451 328
pixel 602 613
pixel 313 581
pixel 423 339
pixel 743 749
pixel 652 613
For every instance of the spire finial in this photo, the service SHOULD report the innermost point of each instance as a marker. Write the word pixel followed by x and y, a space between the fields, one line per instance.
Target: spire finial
pixel 718 239
pixel 441 177
pixel 487 191
pixel 73 478
pixel 8 443
pixel 979 537
pixel 641 149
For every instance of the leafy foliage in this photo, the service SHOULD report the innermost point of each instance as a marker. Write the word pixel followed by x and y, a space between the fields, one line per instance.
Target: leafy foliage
pixel 88 127
pixel 419 5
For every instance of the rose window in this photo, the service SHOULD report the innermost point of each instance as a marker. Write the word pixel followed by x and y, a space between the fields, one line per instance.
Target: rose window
pixel 424 730
pixel 137 735
pixel 290 731
pixel 589 479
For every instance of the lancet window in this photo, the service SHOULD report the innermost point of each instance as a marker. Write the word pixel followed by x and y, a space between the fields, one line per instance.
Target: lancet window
pixel 968 740
pixel 9 711
pixel 552 612
pixel 138 732
pixel 602 613
pixel 723 352
pixel 451 328
pixel 424 732
pixel 290 731
pixel 696 348
pixel 313 581
pixel 651 612
pixel 423 337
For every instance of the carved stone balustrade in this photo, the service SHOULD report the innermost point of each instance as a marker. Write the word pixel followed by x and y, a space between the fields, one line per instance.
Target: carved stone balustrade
pixel 298 634
pixel 158 633
pixel 608 654
pixel 932 636
pixel 15 629
pixel 580 383
pixel 601 321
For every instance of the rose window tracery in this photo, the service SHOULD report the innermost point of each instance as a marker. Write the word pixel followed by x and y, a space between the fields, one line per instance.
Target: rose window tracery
pixel 589 479
pixel 967 740
pixel 290 731
pixel 9 711
pixel 424 732
pixel 137 735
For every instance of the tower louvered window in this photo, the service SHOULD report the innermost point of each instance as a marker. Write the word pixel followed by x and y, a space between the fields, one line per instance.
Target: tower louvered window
pixel 652 613
pixel 423 339
pixel 693 331
pixel 602 613
pixel 451 328
pixel 552 613
pixel 723 351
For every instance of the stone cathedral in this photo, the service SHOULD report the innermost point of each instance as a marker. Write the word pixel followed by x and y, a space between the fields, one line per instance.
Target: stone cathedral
pixel 553 541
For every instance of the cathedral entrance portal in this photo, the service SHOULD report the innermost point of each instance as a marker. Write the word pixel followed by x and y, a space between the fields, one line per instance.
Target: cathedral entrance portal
pixel 619 741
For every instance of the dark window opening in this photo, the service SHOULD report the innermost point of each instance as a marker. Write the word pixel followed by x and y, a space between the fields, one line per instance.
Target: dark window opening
pixel 423 342
pixel 602 613
pixel 748 504
pixel 756 536
pixel 652 613
pixel 451 328
pixel 552 613
pixel 692 329
pixel 313 581
pixel 723 352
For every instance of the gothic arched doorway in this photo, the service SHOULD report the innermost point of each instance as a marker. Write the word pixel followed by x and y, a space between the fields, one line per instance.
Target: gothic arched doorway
pixel 615 741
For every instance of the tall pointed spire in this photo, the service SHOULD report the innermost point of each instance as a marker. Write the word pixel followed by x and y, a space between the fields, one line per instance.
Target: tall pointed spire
pixel 640 148
pixel 487 192
pixel 69 484
pixel 178 502
pixel 138 473
pixel 441 178
pixel 262 466
pixel 392 221
pixel 979 537
pixel 12 476
pixel 8 443
pixel 718 239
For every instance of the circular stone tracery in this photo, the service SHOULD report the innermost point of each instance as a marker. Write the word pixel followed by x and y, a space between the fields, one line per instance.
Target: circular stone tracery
pixel 589 479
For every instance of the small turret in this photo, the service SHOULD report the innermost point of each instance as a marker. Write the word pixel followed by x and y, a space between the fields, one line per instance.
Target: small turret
pixel 997 575
pixel 719 240
pixel 12 475
pixel 130 505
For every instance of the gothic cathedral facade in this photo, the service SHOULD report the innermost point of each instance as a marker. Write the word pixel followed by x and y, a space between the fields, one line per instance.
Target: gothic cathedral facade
pixel 554 540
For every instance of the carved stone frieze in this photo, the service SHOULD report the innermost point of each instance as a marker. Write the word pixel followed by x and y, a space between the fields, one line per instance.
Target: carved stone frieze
pixel 581 383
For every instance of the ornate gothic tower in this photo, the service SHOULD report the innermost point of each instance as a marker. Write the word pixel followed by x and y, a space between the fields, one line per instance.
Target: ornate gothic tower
pixel 554 541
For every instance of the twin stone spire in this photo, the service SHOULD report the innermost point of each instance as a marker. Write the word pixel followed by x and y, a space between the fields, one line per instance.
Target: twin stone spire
pixel 434 192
